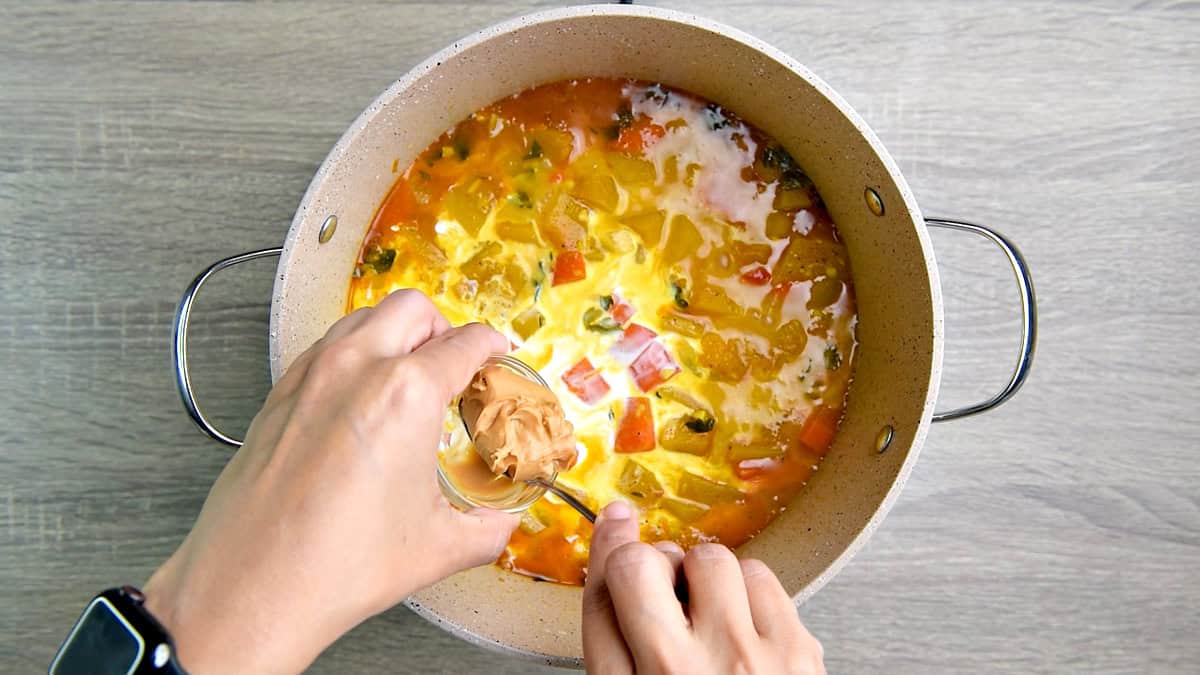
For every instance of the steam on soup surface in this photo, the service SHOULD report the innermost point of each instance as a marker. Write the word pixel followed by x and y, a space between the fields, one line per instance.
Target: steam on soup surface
pixel 672 273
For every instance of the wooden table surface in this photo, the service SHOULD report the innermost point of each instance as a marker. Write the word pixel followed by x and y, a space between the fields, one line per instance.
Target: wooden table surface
pixel 140 141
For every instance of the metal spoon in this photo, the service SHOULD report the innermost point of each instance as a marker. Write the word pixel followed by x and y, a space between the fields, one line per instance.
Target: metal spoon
pixel 524 369
pixel 565 496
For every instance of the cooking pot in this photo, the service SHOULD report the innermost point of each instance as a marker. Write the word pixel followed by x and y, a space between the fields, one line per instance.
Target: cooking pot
pixel 900 333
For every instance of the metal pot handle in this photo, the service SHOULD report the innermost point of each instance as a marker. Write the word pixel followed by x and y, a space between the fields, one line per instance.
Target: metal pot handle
pixel 183 379
pixel 1028 318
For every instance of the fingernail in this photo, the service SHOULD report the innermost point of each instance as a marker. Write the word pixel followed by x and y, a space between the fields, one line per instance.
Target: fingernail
pixel 617 511
pixel 710 551
pixel 669 548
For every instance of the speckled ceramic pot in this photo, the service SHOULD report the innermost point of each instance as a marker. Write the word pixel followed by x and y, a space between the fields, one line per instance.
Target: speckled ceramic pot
pixel 891 402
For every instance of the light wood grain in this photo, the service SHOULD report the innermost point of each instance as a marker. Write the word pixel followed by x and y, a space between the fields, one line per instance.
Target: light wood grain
pixel 140 141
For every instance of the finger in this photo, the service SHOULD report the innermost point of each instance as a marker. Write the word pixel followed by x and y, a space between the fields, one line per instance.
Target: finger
pixel 479 537
pixel 673 552
pixel 604 649
pixel 771 607
pixel 640 581
pixel 674 556
pixel 717 599
pixel 616 526
pixel 400 323
pixel 450 359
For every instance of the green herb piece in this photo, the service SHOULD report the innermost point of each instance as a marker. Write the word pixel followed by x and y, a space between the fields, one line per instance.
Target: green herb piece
pixel 657 94
pixel 794 179
pixel 461 149
pixel 521 199
pixel 775 156
pixel 596 320
pixel 716 117
pixel 700 422
pixel 535 150
pixel 679 293
pixel 833 358
pixel 379 259
pixel 606 302
pixel 624 117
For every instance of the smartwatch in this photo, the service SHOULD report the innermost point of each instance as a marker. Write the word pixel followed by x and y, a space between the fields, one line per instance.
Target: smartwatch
pixel 116 635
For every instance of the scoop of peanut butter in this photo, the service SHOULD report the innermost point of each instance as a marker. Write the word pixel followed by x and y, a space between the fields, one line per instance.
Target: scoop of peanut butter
pixel 518 425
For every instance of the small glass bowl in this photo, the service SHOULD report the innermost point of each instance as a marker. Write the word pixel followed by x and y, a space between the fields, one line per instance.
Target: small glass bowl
pixel 456 446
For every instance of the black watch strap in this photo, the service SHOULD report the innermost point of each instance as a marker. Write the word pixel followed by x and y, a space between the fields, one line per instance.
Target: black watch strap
pixel 116 634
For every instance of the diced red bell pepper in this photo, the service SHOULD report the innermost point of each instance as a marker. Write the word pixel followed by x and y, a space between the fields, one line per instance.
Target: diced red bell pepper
pixel 758 276
pixel 621 311
pixel 632 342
pixel 569 266
pixel 819 429
pixel 640 135
pixel 635 431
pixel 585 382
pixel 653 366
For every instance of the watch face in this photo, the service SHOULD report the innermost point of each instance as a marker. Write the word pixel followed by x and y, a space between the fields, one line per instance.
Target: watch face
pixel 102 642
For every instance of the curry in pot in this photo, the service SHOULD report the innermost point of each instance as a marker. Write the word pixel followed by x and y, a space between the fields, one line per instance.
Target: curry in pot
pixel 669 270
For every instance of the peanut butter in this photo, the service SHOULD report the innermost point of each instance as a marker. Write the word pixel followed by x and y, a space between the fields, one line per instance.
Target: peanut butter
pixel 518 425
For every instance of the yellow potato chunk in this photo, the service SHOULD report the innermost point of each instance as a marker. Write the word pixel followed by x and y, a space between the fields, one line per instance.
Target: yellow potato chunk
pixel 697 488
pixel 648 226
pixel 599 191
pixel 631 171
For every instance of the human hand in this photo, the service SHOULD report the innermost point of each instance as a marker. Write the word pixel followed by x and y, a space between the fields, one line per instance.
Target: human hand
pixel 737 619
pixel 331 511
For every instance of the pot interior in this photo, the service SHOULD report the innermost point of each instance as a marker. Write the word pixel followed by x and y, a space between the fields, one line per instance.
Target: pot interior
pixel 899 303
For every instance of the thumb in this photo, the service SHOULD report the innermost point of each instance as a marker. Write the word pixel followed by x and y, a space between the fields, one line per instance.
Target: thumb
pixel 480 536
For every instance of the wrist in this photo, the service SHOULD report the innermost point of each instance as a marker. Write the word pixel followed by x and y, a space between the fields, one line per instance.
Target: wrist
pixel 217 628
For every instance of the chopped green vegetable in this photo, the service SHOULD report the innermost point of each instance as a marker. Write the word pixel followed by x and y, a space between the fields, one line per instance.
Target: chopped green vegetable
pixel 597 320
pixel 679 293
pixel 678 436
pixel 657 94
pixel 700 422
pixel 535 150
pixel 528 322
pixel 833 358
pixel 795 179
pixel 624 116
pixel 715 116
pixel 606 302
pixel 775 156
pixel 379 259
pixel 461 149
pixel 521 199
pixel 624 119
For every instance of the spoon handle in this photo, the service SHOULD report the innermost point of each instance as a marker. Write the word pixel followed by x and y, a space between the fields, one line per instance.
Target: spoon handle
pixel 566 497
